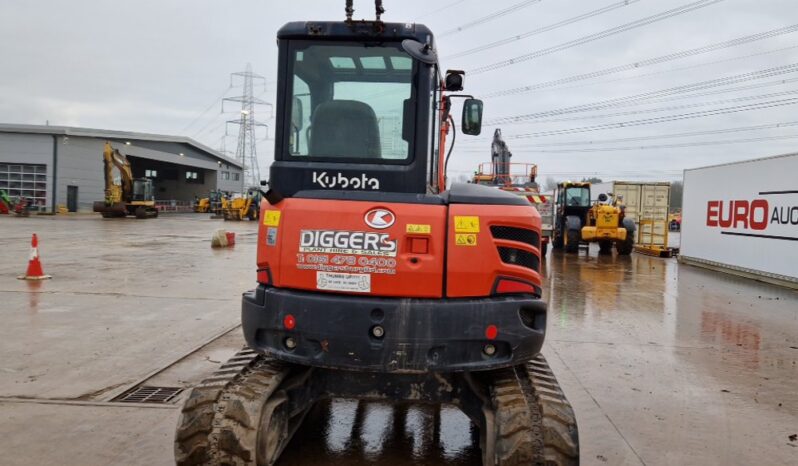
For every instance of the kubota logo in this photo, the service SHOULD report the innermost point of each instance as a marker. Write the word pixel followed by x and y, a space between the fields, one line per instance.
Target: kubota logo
pixel 380 218
pixel 339 180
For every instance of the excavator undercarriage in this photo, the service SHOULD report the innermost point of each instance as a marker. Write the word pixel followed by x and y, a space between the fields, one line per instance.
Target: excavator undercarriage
pixel 248 410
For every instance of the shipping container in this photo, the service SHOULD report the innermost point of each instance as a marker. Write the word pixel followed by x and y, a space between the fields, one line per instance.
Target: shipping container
pixel 742 218
pixel 652 215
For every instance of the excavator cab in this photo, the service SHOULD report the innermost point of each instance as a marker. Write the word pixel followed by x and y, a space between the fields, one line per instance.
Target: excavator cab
pixel 143 190
pixel 376 279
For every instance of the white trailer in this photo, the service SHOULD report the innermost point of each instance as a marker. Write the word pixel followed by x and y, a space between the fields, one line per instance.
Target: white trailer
pixel 742 218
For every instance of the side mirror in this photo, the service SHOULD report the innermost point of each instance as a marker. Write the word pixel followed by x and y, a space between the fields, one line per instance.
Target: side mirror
pixel 296 114
pixel 472 117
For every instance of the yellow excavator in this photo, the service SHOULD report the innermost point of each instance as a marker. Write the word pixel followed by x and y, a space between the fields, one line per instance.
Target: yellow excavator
pixel 247 206
pixel 130 196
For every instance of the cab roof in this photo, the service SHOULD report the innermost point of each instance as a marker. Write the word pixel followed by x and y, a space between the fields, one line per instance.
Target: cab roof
pixel 355 30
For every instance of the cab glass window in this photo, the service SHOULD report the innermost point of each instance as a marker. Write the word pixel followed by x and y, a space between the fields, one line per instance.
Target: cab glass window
pixel 350 101
pixel 577 197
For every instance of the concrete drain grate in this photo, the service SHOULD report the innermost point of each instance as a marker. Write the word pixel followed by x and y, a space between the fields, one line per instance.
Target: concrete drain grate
pixel 146 394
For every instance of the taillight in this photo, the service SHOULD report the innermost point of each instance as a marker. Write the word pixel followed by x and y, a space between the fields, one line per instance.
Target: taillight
pixel 289 322
pixel 514 286
pixel 491 332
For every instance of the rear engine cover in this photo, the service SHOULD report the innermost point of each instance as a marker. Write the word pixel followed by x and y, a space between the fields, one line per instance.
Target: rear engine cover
pixel 354 247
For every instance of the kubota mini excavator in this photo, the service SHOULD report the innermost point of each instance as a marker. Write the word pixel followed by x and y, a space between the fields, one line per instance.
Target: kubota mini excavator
pixel 131 196
pixel 376 282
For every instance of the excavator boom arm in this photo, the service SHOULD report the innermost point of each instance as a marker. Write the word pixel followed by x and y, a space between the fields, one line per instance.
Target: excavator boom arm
pixel 113 158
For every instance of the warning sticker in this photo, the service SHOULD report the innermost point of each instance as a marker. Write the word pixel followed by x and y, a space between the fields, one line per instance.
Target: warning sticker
pixel 466 224
pixel 461 239
pixel 352 282
pixel 415 228
pixel 272 218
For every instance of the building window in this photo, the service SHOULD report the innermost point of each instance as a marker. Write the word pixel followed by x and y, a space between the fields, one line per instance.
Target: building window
pixel 225 175
pixel 236 176
pixel 195 177
pixel 151 173
pixel 27 180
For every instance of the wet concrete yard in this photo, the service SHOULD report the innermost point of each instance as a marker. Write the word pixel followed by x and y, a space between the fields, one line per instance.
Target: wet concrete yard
pixel 663 364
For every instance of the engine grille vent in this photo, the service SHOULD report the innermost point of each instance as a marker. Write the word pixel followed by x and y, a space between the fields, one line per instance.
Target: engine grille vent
pixel 522 235
pixel 520 257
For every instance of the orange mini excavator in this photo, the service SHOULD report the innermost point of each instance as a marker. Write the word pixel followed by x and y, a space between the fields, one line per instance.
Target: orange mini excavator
pixel 376 281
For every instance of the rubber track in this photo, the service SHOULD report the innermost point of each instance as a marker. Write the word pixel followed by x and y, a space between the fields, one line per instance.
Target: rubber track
pixel 560 434
pixel 519 438
pixel 535 424
pixel 215 426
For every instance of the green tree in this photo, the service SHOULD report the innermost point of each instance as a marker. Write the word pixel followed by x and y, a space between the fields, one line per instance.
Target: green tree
pixel 593 180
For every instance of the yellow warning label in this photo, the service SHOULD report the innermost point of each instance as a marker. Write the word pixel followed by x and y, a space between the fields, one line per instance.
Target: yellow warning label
pixel 272 218
pixel 414 228
pixel 466 224
pixel 465 239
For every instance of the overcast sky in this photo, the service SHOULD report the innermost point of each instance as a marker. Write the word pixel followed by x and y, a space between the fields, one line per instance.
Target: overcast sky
pixel 163 66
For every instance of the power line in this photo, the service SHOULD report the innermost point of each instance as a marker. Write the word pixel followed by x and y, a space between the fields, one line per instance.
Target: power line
pixel 647 96
pixel 658 146
pixel 490 17
pixel 438 10
pixel 662 109
pixel 700 65
pixel 207 109
pixel 650 61
pixel 596 36
pixel 204 129
pixel 738 129
pixel 543 29
pixel 663 119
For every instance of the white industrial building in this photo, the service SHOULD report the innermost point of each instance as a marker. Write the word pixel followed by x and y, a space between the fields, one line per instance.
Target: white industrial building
pixel 59 165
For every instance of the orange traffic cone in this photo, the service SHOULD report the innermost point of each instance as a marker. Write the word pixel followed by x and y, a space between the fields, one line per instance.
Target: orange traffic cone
pixel 35 271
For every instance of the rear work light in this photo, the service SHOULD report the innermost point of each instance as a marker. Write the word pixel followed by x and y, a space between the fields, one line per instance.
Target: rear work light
pixel 513 286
